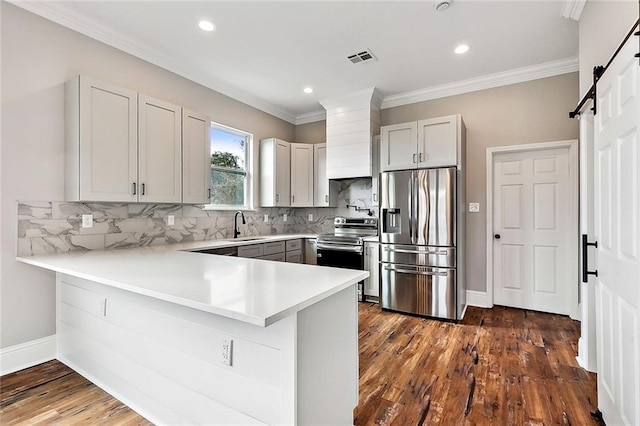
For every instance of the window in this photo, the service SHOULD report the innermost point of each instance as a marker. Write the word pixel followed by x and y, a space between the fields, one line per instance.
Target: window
pixel 230 168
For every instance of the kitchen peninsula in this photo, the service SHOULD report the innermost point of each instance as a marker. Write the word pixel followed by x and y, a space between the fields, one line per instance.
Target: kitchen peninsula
pixel 151 326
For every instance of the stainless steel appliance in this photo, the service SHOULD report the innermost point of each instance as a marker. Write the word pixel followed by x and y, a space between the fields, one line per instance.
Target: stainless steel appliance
pixel 419 252
pixel 344 247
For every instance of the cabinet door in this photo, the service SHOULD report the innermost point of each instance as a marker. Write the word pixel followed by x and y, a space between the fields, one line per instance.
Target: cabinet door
pixel 301 175
pixel 375 169
pixel 159 151
pixel 196 158
pixel 398 146
pixel 325 191
pixel 372 260
pixel 283 173
pixel 438 142
pixel 106 122
pixel 294 256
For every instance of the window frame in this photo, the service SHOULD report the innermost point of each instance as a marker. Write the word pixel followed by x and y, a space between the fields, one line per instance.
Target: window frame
pixel 248 167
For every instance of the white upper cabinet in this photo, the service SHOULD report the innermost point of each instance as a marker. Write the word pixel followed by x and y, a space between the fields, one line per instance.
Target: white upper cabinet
pixel 438 142
pixel 301 175
pixel 159 151
pixel 275 173
pixel 101 142
pixel 122 146
pixel 398 146
pixel 435 142
pixel 196 158
pixel 325 191
pixel 375 169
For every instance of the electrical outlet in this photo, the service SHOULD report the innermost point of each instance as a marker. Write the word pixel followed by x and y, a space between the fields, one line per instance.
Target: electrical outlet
pixel 226 350
pixel 474 207
pixel 310 217
pixel 171 220
pixel 266 218
pixel 284 217
pixel 87 221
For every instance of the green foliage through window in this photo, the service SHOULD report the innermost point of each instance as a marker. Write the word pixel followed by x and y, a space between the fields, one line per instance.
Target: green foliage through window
pixel 229 178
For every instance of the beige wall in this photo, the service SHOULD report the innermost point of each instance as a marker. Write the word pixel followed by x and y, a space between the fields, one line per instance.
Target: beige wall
pixel 535 111
pixel 602 28
pixel 315 132
pixel 38 56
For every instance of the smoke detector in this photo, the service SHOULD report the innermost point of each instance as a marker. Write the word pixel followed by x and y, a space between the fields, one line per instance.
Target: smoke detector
pixel 363 56
pixel 442 5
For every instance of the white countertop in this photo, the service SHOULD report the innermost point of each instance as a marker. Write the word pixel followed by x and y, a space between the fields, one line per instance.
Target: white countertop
pixel 255 291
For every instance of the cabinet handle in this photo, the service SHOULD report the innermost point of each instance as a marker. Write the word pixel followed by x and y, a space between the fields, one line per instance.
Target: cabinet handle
pixel 134 188
pixel 143 189
pixel 209 192
pixel 326 198
pixel 420 157
pixel 414 158
pixel 293 198
pixel 277 198
pixel 375 197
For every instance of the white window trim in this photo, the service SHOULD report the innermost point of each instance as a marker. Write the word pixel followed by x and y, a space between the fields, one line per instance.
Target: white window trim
pixel 249 169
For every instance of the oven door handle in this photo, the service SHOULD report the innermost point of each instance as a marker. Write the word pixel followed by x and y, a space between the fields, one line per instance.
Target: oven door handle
pixel 409 271
pixel 339 247
pixel 390 249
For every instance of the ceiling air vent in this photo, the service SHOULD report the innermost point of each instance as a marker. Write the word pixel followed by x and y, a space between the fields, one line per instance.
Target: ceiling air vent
pixel 364 56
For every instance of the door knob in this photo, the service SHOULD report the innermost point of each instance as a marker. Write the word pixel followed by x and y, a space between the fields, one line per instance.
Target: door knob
pixel 497 236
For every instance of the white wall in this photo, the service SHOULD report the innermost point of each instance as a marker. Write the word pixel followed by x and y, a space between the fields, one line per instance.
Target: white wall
pixel 602 27
pixel 38 56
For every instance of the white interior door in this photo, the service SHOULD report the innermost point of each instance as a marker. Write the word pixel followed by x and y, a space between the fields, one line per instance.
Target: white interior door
pixel 617 230
pixel 533 227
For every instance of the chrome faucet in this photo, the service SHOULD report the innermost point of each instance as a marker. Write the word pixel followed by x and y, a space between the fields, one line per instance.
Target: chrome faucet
pixel 236 231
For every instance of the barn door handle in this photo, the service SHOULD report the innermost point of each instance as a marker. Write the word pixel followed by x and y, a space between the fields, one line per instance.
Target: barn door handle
pixel 585 259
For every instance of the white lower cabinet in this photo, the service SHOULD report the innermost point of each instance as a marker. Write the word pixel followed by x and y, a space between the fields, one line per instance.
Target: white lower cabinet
pixel 372 264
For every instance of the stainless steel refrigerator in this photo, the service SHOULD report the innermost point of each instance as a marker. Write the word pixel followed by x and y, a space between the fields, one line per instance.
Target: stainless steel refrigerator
pixel 420 255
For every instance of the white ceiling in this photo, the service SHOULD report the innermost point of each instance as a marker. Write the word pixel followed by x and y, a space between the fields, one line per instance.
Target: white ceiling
pixel 263 52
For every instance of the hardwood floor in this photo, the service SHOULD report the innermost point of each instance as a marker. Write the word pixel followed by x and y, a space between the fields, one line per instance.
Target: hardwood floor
pixel 498 366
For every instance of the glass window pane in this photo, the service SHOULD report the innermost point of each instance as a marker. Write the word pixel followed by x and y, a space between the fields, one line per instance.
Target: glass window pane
pixel 227 188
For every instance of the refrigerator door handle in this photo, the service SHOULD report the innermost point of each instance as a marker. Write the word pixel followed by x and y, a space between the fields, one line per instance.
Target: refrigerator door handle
pixel 390 249
pixel 410 183
pixel 412 272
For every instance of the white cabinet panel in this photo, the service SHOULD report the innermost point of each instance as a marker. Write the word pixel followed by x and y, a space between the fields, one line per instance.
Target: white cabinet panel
pixel 159 151
pixel 434 142
pixel 375 169
pixel 438 142
pixel 301 175
pixel 325 191
pixel 275 173
pixel 372 264
pixel 101 131
pixel 196 158
pixel 398 144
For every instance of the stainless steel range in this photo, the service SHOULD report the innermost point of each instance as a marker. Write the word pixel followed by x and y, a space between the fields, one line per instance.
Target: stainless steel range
pixel 344 248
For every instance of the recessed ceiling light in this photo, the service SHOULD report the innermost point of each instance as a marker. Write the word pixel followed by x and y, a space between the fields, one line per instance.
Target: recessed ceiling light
pixel 206 26
pixel 308 90
pixel 461 49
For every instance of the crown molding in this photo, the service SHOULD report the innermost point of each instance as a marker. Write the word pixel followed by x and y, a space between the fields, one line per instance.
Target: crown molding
pixel 518 75
pixel 311 117
pixel 572 9
pixel 58 12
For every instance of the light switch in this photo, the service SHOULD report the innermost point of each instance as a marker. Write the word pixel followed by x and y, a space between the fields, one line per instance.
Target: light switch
pixel 171 220
pixel 266 218
pixel 284 217
pixel 310 218
pixel 474 207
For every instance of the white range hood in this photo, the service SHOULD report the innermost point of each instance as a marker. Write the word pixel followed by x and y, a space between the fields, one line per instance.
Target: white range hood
pixel 352 120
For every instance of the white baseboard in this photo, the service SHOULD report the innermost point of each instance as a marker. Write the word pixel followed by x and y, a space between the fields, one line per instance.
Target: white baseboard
pixel 27 354
pixel 479 299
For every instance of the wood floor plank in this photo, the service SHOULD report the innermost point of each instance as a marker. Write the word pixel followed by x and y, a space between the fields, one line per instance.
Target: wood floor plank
pixel 497 366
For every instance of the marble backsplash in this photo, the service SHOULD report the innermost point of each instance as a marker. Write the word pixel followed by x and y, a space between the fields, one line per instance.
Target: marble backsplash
pixel 47 227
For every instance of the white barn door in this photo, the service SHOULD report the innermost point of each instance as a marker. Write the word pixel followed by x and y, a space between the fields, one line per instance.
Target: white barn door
pixel 617 230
